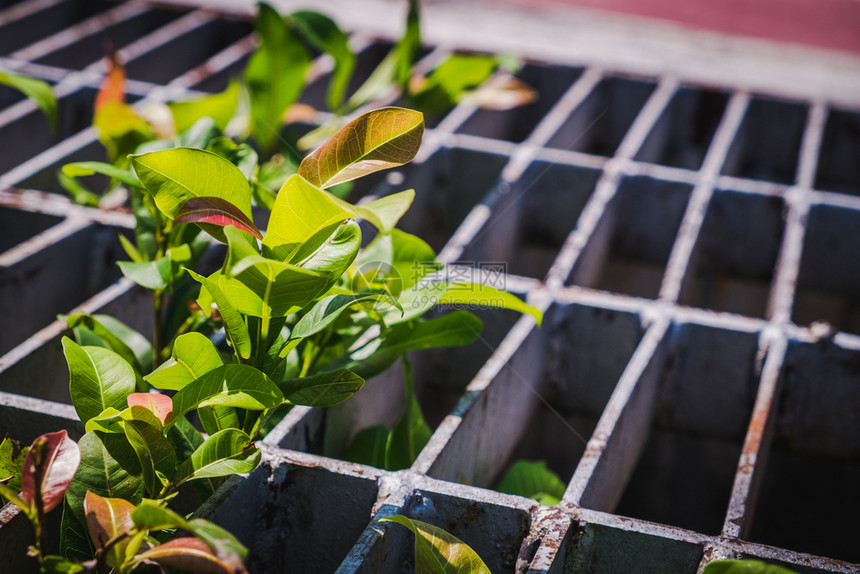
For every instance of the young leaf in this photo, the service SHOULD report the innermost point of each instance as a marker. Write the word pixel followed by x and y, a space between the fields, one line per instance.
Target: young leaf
pixel 108 518
pixel 220 107
pixel 533 480
pixel 214 213
pixel 232 385
pixel 189 554
pixel 368 446
pixel 234 323
pixel 50 466
pixel 174 176
pixel 112 89
pixel 328 309
pixel 744 567
pixel 322 390
pixel 193 356
pixel 323 33
pixel 227 452
pixel 37 90
pixel 437 552
pixel 377 140
pixel 108 421
pixel 99 378
pixel 275 74
pixel 160 405
pixel 121 130
pixel 109 467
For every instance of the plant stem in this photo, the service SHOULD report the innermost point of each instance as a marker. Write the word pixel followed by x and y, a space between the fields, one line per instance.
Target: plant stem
pixel 158 327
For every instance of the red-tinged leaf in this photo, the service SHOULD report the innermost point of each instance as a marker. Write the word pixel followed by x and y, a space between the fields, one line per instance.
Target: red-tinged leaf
pixel 48 469
pixel 113 85
pixel 108 518
pixel 214 213
pixel 377 140
pixel 160 405
pixel 190 554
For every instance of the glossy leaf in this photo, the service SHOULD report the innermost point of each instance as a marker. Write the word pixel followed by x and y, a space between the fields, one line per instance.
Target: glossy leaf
pixel 148 274
pixel 220 107
pixel 328 309
pixel 160 405
pixel 109 467
pixel 227 452
pixel 108 421
pixel 117 336
pixel 75 542
pixel 86 168
pixel 377 140
pixel 153 450
pixel 234 323
pixel 533 480
pixel 322 390
pixel 232 385
pixel 188 554
pixel 193 356
pixel 302 210
pixel 37 90
pixel 275 74
pixel 399 259
pixel 323 33
pixel 744 567
pixel 437 552
pixel 174 176
pixel 214 213
pixel 368 446
pixel 108 518
pixel 99 379
pixel 50 466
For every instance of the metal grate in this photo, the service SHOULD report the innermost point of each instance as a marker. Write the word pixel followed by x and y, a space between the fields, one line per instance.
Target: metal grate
pixel 693 234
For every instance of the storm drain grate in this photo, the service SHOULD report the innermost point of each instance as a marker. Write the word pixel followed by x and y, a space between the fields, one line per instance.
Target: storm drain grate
pixel 696 249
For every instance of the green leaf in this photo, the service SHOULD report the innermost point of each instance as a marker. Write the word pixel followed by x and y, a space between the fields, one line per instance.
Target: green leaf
pixel 108 421
pixel 302 210
pixel 108 518
pixel 380 139
pixel 174 176
pixel 153 450
pixel 37 90
pixel 368 446
pixel 121 130
pixel 227 452
pixel 85 168
pixel 118 337
pixel 533 480
pixel 15 498
pixel 451 80
pixel 275 74
pixel 323 33
pixel 744 567
pixel 232 385
pixel 437 552
pixel 409 436
pixel 61 565
pixel 75 541
pixel 184 438
pixel 109 467
pixel 234 323
pixel 11 463
pixel 328 309
pixel 220 107
pixel 100 379
pixel 212 214
pixel 242 156
pixel 323 389
pixel 193 356
pixel 149 274
pixel 486 296
pixel 398 259
pixel 407 48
